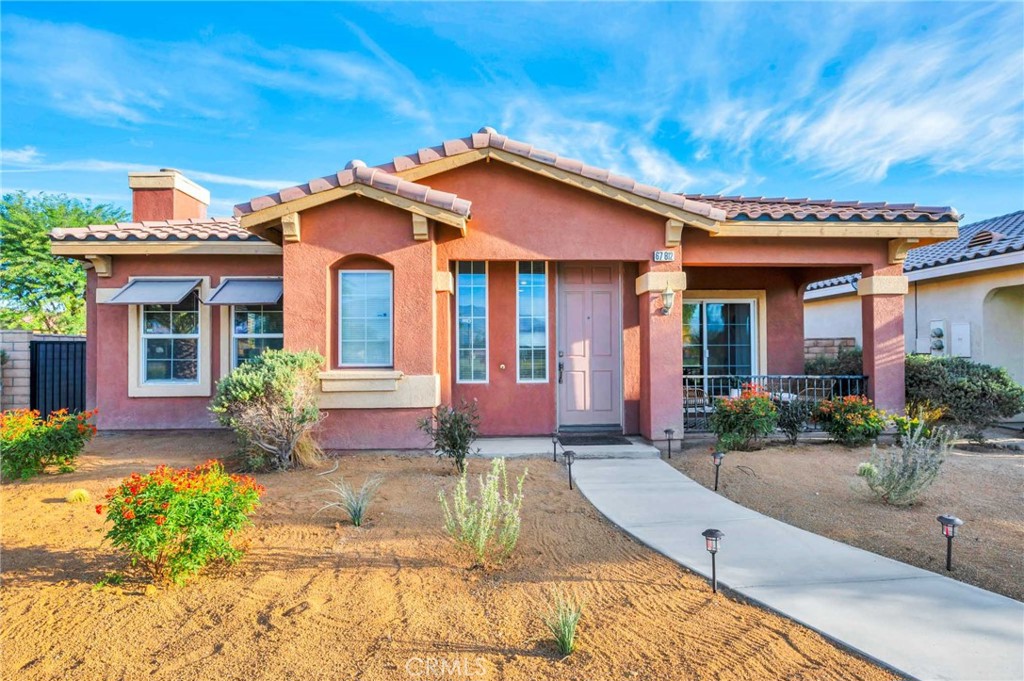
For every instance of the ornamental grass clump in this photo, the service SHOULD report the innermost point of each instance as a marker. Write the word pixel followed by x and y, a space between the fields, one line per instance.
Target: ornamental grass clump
pixel 562 619
pixel 904 471
pixel 271 404
pixel 852 420
pixel 741 422
pixel 353 502
pixel 173 523
pixel 488 526
pixel 31 445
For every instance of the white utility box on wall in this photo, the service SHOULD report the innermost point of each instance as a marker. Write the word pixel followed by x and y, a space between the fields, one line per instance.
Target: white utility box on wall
pixel 960 339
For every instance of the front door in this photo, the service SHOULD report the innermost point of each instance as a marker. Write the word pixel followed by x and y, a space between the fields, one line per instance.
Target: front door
pixel 589 341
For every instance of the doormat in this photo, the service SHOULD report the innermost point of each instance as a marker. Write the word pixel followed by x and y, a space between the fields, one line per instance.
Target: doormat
pixel 591 439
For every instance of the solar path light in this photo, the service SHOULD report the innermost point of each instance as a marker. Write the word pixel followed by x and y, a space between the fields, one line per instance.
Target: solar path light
pixel 949 525
pixel 716 459
pixel 569 457
pixel 711 539
pixel 669 434
pixel 554 447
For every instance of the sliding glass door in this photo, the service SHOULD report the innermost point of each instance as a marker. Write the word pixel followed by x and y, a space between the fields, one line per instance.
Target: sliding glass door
pixel 719 342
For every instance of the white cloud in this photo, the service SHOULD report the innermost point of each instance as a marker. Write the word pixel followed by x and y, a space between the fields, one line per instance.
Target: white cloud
pixel 26 154
pixel 945 98
pixel 623 150
pixel 117 80
pixel 30 160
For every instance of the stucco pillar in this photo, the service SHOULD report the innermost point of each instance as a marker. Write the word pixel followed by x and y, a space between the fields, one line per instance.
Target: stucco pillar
pixel 661 351
pixel 882 292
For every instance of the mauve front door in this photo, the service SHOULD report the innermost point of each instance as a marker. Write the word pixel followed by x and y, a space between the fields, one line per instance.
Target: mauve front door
pixel 589 361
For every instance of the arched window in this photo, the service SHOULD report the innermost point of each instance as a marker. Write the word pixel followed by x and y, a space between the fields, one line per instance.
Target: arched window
pixel 365 308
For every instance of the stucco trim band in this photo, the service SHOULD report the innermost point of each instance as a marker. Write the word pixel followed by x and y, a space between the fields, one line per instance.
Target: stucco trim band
pixel 105 247
pixel 883 286
pixel 377 389
pixel 826 229
pixel 169 179
pixel 656 282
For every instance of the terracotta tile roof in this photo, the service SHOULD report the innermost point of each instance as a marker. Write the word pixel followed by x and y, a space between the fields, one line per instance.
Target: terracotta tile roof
pixel 210 229
pixel 1003 234
pixel 484 139
pixel 358 172
pixel 780 208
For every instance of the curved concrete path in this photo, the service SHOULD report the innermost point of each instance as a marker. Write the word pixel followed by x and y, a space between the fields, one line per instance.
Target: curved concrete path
pixel 917 622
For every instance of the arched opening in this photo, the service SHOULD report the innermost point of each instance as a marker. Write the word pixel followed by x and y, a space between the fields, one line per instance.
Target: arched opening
pixel 1003 329
pixel 362 312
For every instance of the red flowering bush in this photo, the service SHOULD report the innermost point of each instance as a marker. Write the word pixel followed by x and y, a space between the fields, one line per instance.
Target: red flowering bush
pixel 852 420
pixel 739 422
pixel 30 444
pixel 175 522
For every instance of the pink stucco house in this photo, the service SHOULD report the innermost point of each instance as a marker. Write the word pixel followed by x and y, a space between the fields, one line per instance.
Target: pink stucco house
pixel 556 294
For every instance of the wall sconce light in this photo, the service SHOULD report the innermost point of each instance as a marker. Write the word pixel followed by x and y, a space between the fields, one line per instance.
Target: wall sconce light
pixel 668 300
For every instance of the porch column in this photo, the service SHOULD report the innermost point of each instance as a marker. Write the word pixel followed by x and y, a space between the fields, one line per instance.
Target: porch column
pixel 661 350
pixel 882 292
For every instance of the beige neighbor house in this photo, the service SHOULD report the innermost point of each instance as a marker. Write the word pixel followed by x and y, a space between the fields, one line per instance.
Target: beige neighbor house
pixel 965 298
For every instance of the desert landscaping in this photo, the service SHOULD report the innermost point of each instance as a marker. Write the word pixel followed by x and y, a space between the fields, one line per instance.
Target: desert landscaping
pixel 315 597
pixel 814 486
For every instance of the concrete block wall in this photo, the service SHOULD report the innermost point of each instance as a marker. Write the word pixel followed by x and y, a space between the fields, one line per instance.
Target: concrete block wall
pixel 826 347
pixel 15 373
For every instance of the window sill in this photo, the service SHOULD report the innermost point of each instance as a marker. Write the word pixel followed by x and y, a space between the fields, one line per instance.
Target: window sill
pixel 359 380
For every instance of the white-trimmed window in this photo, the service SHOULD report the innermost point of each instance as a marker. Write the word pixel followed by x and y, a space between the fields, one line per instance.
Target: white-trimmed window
pixel 365 318
pixel 471 322
pixel 255 328
pixel 171 342
pixel 532 322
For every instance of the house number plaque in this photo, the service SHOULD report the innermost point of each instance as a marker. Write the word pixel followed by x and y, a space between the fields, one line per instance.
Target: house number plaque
pixel 664 256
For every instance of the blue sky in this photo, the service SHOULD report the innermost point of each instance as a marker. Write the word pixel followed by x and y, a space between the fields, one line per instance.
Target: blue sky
pixel 917 102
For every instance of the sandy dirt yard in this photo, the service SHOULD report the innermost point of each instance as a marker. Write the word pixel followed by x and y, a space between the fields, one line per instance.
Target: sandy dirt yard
pixel 316 598
pixel 814 486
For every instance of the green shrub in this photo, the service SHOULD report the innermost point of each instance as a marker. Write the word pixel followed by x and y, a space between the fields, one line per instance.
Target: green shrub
pixel 794 417
pixel 740 422
pixel 487 526
pixel 453 430
pixel 562 619
pixel 270 402
pixel 973 396
pixel 175 522
pixel 899 476
pixel 30 444
pixel 847 362
pixel 852 420
pixel 353 503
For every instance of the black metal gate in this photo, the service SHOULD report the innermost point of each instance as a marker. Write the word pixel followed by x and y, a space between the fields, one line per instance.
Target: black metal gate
pixel 57 375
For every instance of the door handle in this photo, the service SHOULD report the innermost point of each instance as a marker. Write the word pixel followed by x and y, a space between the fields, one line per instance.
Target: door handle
pixel 561 367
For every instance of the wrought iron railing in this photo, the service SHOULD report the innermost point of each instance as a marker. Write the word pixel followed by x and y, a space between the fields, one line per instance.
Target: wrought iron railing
pixel 701 392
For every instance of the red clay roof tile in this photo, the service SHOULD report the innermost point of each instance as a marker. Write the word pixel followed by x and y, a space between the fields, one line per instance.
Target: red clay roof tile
pixel 211 229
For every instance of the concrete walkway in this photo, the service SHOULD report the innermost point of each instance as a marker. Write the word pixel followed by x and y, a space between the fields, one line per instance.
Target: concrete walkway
pixel 917 622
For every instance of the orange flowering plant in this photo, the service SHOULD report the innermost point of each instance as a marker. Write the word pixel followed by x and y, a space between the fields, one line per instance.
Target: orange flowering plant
pixel 852 420
pixel 740 422
pixel 175 522
pixel 30 444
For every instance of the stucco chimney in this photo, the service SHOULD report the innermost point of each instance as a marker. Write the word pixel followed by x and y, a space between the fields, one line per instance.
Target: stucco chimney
pixel 166 195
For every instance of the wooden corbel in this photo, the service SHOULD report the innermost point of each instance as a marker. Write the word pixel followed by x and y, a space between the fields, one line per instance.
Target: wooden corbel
pixel 291 230
pixel 898 249
pixel 103 264
pixel 419 228
pixel 673 233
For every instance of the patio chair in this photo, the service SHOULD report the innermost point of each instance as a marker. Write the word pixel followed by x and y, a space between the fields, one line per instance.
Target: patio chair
pixel 697 407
